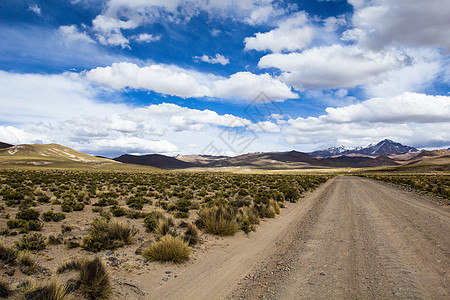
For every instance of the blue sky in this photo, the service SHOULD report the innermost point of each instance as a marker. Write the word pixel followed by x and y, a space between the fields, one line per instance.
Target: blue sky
pixel 180 76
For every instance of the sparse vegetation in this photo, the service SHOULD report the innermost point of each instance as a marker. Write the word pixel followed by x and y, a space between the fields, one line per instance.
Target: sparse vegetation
pixel 169 248
pixel 438 185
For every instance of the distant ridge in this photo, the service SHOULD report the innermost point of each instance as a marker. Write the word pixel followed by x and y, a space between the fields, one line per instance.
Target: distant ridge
pixel 385 147
pixel 154 160
pixel 5 145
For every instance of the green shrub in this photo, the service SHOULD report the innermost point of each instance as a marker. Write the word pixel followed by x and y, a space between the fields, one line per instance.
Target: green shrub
pixel 36 241
pixel 118 211
pixel 52 216
pixel 108 235
pixel 28 214
pixel 25 226
pixel 181 215
pixel 169 248
pixel 151 220
pixel 218 220
pixel 135 203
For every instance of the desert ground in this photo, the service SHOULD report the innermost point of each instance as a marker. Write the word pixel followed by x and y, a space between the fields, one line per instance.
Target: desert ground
pixel 350 238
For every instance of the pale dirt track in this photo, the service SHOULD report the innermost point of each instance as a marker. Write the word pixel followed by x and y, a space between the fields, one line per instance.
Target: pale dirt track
pixel 353 238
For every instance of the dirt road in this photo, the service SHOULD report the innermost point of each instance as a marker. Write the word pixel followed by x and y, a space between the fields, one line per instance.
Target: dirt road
pixel 353 238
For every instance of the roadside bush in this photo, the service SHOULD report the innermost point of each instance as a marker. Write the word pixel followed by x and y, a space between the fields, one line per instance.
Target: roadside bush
pixel 36 241
pixel 108 235
pixel 192 234
pixel 169 248
pixel 218 220
pixel 248 218
pixel 265 211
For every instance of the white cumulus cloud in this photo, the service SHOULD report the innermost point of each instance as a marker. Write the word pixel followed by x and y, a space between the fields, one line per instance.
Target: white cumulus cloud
pixel 291 34
pixel 218 59
pixel 332 66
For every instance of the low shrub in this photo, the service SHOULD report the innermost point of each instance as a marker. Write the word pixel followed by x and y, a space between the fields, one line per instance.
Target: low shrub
pixel 118 211
pixel 151 220
pixel 52 216
pixel 24 226
pixel 218 220
pixel 36 241
pixel 108 235
pixel 169 248
pixel 28 214
pixel 181 215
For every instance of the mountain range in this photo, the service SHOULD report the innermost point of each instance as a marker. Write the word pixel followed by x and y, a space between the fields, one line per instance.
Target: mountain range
pixel 385 147
pixel 383 154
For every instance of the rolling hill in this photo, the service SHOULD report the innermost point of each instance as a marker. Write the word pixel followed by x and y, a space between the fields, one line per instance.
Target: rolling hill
pixel 50 155
pixel 154 160
pixel 5 145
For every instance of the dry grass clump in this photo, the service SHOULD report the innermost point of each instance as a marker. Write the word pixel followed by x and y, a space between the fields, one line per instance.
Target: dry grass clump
pixel 107 234
pixel 27 264
pixel 163 227
pixel 8 255
pixel 248 218
pixel 219 220
pixel 169 248
pixel 49 290
pixel 192 234
pixel 276 206
pixel 5 290
pixel 94 279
